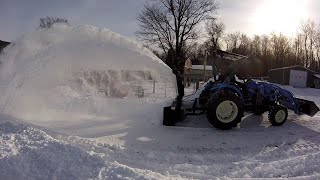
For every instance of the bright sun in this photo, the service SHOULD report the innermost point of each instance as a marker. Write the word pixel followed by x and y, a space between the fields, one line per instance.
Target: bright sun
pixel 281 16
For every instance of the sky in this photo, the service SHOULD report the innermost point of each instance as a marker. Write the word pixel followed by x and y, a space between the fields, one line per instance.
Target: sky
pixel 18 17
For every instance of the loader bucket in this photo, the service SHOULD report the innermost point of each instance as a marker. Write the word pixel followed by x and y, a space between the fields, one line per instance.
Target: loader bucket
pixel 307 107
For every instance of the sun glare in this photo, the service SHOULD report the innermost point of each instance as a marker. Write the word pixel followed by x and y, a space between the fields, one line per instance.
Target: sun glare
pixel 280 16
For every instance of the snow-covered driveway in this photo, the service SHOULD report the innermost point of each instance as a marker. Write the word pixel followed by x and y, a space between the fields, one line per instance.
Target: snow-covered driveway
pixel 253 150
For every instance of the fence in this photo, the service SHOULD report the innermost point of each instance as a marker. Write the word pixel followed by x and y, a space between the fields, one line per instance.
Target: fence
pixel 139 89
pixel 155 88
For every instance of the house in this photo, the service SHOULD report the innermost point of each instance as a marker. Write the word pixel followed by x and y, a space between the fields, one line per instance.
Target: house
pixel 218 64
pixel 197 72
pixel 296 76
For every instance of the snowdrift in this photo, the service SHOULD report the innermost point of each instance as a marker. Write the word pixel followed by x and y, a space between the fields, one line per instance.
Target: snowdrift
pixel 80 73
pixel 30 153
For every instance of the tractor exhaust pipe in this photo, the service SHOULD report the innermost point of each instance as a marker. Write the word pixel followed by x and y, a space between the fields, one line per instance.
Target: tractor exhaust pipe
pixel 307 107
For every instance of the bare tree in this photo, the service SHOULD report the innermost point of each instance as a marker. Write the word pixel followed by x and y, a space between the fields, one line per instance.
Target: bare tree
pixel 215 30
pixel 281 47
pixel 317 44
pixel 238 42
pixel 297 45
pixel 233 41
pixel 256 46
pixel 244 45
pixel 48 22
pixel 172 23
pixel 308 31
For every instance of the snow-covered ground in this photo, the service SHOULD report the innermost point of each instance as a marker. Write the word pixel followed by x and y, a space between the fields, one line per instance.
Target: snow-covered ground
pixel 83 135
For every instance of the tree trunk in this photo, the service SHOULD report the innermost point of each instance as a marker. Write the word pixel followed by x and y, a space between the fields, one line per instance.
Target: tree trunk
pixel 306 51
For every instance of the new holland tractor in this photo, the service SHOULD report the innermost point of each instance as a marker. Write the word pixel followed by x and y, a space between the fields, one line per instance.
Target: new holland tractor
pixel 225 99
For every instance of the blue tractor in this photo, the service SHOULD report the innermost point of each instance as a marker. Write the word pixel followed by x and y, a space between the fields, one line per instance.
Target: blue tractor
pixel 225 99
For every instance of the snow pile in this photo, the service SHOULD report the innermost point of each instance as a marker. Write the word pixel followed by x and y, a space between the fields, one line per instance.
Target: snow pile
pixel 26 152
pixel 29 153
pixel 59 74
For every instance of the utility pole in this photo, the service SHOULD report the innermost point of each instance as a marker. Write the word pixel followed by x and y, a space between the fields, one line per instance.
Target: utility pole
pixel 205 65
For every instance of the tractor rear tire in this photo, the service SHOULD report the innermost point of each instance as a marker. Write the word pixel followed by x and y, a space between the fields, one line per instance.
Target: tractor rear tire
pixel 278 115
pixel 224 110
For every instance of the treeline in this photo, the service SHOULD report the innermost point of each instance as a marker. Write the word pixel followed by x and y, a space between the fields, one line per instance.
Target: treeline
pixel 274 50
pixel 175 27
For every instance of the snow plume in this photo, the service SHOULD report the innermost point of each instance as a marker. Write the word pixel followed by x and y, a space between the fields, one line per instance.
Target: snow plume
pixel 61 72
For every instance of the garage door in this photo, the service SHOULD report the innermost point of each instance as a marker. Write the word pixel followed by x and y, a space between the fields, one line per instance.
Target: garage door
pixel 298 78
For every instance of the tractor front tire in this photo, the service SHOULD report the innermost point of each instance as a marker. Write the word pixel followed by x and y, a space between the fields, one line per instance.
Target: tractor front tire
pixel 278 115
pixel 224 110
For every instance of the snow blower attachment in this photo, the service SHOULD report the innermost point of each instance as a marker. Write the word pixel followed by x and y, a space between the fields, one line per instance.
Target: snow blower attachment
pixel 175 112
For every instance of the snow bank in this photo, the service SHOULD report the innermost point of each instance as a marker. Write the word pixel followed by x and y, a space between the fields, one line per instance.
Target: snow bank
pixel 29 153
pixel 59 74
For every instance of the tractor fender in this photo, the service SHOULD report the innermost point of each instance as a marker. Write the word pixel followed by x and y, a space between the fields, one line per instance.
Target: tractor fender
pixel 227 87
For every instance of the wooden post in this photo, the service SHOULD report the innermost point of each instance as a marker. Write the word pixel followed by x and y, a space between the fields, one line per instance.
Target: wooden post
pixel 197 84
pixel 165 89
pixel 154 86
